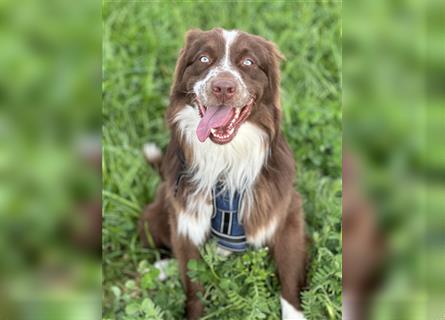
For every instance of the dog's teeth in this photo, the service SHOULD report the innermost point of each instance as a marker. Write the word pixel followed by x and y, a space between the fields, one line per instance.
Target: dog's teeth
pixel 212 131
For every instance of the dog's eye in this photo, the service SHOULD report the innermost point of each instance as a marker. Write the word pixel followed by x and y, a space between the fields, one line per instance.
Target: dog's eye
pixel 248 62
pixel 204 59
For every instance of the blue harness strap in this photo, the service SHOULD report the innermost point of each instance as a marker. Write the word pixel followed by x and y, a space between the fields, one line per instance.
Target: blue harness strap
pixel 226 226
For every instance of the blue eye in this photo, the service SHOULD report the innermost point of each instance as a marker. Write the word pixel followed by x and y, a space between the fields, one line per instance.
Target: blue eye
pixel 247 62
pixel 204 59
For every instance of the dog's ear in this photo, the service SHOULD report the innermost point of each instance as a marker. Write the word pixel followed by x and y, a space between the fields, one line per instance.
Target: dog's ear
pixel 273 72
pixel 182 62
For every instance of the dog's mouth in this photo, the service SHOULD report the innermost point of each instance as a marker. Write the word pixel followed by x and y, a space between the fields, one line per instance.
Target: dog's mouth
pixel 221 123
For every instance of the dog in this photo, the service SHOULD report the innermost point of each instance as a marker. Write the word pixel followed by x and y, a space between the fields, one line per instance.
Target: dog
pixel 365 247
pixel 227 172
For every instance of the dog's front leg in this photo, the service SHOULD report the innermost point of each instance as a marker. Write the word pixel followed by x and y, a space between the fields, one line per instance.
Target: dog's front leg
pixel 289 253
pixel 185 250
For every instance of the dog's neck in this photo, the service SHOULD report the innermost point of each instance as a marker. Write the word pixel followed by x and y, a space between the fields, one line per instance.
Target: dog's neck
pixel 238 163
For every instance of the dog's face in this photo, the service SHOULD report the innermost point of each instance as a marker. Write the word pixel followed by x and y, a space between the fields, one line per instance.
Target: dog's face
pixel 229 77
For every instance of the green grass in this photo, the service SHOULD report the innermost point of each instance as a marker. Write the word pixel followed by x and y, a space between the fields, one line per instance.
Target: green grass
pixel 141 43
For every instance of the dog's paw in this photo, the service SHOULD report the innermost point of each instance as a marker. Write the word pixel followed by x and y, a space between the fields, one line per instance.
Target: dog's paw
pixel 288 312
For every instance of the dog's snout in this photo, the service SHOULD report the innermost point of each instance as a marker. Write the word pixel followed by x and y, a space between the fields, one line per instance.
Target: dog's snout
pixel 223 88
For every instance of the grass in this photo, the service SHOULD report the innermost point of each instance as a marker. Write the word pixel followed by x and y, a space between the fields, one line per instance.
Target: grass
pixel 141 41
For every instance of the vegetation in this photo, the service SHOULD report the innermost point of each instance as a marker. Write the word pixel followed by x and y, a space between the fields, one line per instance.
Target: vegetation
pixel 141 43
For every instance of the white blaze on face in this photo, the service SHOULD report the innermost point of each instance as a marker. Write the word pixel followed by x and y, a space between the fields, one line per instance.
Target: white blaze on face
pixel 229 38
pixel 224 65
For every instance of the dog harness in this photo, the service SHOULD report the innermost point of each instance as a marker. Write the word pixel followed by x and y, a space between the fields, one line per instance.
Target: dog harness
pixel 226 226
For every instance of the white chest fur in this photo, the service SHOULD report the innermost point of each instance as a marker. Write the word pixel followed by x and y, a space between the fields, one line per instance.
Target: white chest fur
pixel 194 221
pixel 239 163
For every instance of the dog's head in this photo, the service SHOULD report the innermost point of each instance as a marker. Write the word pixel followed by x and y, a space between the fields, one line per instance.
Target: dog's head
pixel 230 77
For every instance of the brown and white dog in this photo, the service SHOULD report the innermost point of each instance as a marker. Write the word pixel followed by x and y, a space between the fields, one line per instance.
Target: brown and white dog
pixel 224 117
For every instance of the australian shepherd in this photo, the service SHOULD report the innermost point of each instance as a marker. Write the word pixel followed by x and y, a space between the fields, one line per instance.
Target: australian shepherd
pixel 228 172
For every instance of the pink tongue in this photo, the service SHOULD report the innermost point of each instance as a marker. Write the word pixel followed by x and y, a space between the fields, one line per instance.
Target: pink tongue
pixel 213 117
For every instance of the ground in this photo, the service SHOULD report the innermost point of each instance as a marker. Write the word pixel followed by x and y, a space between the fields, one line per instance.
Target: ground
pixel 140 44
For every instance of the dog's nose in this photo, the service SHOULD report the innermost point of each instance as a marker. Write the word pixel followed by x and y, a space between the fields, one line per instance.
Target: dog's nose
pixel 223 88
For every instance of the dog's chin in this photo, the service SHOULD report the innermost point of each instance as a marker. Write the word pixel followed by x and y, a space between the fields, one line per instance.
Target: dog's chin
pixel 227 132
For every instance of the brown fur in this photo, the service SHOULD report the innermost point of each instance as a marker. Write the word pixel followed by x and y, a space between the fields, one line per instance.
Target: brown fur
pixel 274 196
pixel 364 245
